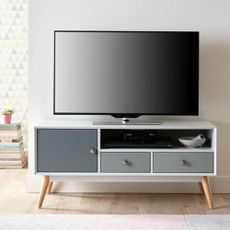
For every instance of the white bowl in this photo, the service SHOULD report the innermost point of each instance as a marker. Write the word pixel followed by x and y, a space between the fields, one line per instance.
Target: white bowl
pixel 192 142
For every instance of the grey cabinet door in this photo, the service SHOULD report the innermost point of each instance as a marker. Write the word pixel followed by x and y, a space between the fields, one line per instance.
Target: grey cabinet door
pixel 66 150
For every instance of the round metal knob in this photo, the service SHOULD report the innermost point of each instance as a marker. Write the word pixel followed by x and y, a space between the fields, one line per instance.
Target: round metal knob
pixel 183 163
pixel 93 151
pixel 125 162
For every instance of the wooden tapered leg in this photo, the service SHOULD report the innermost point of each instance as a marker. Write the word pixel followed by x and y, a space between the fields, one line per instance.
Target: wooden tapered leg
pixel 207 191
pixel 49 189
pixel 46 180
pixel 201 188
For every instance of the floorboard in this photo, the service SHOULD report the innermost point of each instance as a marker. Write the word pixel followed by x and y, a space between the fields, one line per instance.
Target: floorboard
pixel 14 199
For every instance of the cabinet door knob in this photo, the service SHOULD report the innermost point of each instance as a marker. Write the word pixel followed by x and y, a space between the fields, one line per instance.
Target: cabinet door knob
pixel 183 162
pixel 93 151
pixel 125 162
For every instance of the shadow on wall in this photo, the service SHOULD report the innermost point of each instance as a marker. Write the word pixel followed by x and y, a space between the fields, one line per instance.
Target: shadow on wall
pixel 215 96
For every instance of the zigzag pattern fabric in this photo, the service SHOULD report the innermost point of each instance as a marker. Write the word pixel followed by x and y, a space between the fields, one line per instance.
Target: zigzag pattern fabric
pixel 14 59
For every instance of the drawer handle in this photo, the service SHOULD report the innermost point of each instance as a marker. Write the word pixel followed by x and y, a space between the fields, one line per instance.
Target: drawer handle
pixel 125 162
pixel 93 151
pixel 183 163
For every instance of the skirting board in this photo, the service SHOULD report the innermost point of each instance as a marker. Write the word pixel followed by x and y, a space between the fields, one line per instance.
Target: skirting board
pixel 218 184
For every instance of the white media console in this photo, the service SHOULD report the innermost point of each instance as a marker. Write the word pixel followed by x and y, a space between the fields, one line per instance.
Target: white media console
pixel 130 152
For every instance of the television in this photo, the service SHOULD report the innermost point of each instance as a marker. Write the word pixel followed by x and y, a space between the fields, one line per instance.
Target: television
pixel 126 73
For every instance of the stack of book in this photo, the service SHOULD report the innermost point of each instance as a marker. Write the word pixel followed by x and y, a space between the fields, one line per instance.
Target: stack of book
pixel 12 153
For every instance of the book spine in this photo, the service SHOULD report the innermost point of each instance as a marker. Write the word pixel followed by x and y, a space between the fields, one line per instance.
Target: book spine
pixel 10 146
pixel 11 162
pixel 10 139
pixel 13 166
pixel 10 159
pixel 4 144
pixel 6 150
pixel 6 133
pixel 8 156
pixel 2 154
pixel 14 126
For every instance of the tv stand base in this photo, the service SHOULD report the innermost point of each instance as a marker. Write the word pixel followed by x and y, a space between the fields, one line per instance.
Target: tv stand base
pixel 126 121
pixel 121 154
pixel 204 185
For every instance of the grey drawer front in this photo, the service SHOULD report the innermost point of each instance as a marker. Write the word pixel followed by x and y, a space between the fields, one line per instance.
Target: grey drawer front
pixel 66 150
pixel 197 162
pixel 136 162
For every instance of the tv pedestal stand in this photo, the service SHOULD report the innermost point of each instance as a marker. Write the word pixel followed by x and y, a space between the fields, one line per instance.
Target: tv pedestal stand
pixel 124 153
pixel 126 121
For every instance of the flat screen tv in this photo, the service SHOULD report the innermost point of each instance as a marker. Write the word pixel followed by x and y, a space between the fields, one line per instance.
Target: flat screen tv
pixel 126 73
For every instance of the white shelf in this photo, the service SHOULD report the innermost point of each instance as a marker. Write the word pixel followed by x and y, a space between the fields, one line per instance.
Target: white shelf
pixel 182 149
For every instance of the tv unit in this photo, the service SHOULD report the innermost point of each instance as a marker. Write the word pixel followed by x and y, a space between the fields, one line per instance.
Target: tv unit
pixel 126 73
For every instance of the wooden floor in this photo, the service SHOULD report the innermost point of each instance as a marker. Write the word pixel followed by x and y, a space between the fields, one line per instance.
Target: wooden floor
pixel 14 199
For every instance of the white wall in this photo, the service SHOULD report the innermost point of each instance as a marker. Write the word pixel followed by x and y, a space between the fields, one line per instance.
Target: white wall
pixel 210 17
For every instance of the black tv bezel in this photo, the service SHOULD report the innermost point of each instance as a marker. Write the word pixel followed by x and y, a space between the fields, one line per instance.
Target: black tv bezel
pixel 128 115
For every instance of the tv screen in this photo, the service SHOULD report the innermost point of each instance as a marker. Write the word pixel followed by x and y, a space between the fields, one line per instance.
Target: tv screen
pixel 126 73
